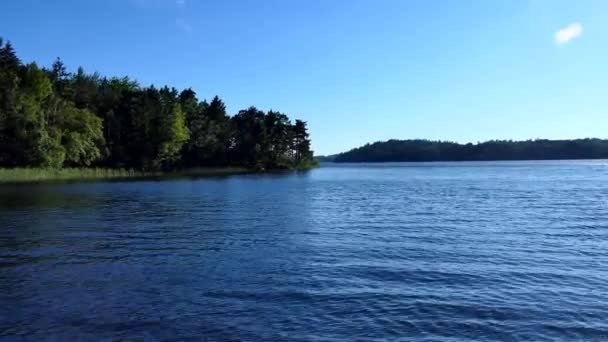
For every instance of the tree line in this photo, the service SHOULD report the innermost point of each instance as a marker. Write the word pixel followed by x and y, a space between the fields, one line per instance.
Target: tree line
pixel 51 118
pixel 427 150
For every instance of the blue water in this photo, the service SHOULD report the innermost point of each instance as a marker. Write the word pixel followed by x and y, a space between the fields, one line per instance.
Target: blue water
pixel 508 251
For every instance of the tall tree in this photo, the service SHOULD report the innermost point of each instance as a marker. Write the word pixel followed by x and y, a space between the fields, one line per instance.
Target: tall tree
pixel 301 143
pixel 114 98
pixel 249 139
pixel 142 121
pixel 210 133
pixel 279 131
pixel 9 84
pixel 174 134
pixel 40 144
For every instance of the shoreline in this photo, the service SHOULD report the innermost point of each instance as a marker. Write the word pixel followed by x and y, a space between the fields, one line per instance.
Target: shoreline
pixel 41 175
pixel 460 161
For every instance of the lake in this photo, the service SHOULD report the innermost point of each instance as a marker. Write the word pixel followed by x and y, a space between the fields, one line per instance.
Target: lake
pixel 513 251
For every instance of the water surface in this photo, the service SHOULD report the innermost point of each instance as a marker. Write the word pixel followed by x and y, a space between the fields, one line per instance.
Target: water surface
pixel 510 251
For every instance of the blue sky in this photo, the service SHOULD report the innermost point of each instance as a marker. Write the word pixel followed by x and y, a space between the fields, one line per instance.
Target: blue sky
pixel 357 70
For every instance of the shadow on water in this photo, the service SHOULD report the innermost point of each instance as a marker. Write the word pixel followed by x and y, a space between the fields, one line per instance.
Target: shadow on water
pixel 57 193
pixel 158 177
pixel 39 196
pixel 99 254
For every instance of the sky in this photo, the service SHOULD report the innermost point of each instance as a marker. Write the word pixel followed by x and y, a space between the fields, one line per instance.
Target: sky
pixel 357 71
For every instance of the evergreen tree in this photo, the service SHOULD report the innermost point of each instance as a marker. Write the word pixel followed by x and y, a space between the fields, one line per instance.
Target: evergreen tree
pixel 9 84
pixel 301 143
pixel 249 138
pixel 54 118
pixel 280 134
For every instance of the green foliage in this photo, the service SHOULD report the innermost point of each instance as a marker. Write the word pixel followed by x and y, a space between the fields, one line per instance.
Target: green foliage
pixel 51 118
pixel 30 120
pixel 49 153
pixel 9 84
pixel 301 142
pixel 174 134
pixel 210 131
pixel 82 136
pixel 279 135
pixel 249 138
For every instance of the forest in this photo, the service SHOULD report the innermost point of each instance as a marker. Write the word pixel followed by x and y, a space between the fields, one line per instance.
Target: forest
pixel 52 118
pixel 427 150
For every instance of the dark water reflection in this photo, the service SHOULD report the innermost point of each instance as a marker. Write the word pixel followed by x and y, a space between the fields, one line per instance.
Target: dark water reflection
pixel 436 251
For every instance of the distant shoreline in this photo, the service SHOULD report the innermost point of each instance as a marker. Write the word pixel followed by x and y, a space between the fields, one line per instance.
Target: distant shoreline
pixel 321 163
pixel 494 150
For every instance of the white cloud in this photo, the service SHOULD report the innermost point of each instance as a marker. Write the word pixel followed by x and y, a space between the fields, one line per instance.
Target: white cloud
pixel 568 33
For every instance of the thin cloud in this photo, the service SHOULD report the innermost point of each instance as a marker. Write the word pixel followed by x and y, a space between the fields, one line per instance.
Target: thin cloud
pixel 172 8
pixel 568 33
pixel 155 4
pixel 183 25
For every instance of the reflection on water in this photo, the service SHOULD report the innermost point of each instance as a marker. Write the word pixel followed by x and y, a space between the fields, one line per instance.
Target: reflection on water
pixel 436 251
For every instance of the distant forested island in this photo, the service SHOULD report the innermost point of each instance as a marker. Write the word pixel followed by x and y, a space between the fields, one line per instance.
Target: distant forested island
pixel 52 118
pixel 427 150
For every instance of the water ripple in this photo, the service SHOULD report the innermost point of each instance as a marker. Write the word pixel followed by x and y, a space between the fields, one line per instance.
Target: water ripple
pixel 508 251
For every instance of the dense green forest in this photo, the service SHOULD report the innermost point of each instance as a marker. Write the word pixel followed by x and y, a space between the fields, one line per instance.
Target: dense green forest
pixel 51 118
pixel 427 150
